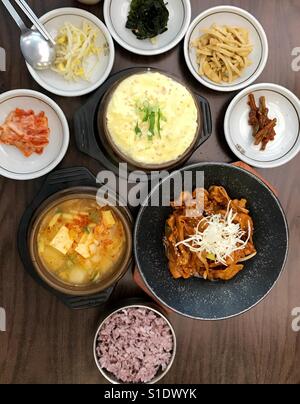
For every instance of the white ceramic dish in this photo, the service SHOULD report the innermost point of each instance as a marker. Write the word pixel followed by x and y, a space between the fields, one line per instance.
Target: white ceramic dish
pixel 284 106
pixel 116 13
pixel 228 15
pixel 56 84
pixel 12 162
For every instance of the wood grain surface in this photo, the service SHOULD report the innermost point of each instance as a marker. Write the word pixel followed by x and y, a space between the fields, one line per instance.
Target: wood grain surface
pixel 47 343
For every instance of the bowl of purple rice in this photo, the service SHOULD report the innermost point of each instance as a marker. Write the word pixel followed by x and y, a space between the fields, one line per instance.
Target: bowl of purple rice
pixel 135 344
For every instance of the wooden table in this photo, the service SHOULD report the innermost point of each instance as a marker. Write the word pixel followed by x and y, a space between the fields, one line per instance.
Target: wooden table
pixel 47 343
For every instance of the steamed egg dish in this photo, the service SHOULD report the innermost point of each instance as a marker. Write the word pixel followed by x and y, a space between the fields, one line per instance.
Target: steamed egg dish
pixel 152 119
pixel 81 243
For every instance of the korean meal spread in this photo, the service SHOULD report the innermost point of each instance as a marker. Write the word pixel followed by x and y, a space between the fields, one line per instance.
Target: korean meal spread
pixel 134 344
pixel 80 242
pixel 152 118
pixel 223 53
pixel 211 244
pixel 74 47
pixel 219 232
pixel 263 126
pixel 148 18
pixel 26 130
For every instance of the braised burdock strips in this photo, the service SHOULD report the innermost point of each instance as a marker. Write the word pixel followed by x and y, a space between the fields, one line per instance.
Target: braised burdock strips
pixel 223 53
pixel 263 126
pixel 212 244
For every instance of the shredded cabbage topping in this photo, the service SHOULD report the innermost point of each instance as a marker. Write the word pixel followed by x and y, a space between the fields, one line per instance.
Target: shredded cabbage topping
pixel 221 238
pixel 74 47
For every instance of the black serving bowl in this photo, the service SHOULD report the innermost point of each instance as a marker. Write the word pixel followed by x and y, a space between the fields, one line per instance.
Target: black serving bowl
pixel 205 300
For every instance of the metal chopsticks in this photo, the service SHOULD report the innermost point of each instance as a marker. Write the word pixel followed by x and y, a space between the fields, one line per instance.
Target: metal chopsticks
pixel 34 19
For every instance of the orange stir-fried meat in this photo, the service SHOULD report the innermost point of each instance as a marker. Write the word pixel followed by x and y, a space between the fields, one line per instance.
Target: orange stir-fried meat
pixel 28 131
pixel 187 231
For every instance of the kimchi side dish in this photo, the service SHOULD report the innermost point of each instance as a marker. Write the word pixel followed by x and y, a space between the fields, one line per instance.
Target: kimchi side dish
pixel 26 130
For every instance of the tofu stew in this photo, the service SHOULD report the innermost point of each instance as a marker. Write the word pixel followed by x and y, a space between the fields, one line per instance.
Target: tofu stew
pixel 80 242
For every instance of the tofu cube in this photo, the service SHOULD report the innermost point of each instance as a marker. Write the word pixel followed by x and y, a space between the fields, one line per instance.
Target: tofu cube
pixel 84 244
pixel 108 218
pixel 62 241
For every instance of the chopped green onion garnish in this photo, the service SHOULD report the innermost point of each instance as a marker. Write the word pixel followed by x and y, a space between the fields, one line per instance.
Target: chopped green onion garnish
pixel 138 130
pixel 153 116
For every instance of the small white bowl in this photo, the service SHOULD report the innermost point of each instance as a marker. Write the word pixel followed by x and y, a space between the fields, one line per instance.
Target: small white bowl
pixel 228 15
pixel 56 84
pixel 284 106
pixel 116 13
pixel 13 164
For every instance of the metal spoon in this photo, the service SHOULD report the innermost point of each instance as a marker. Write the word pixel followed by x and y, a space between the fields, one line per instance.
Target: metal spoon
pixel 35 20
pixel 36 49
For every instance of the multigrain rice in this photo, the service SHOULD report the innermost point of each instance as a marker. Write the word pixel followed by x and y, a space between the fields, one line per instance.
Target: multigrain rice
pixel 134 344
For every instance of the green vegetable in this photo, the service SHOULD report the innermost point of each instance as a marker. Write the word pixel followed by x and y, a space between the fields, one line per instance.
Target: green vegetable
pixel 211 257
pixel 138 130
pixel 72 258
pixel 153 116
pixel 95 276
pixel 146 109
pixel 159 118
pixel 152 119
pixel 94 216
pixel 148 18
